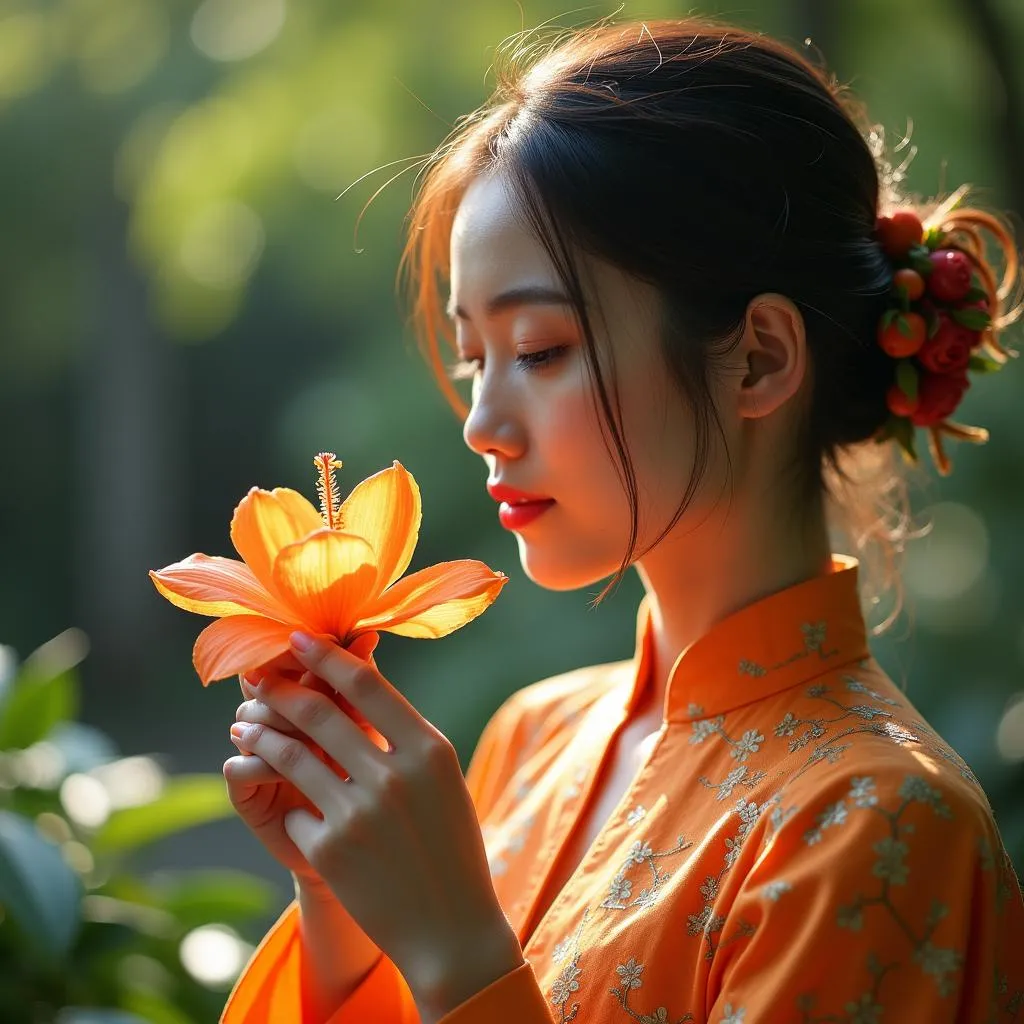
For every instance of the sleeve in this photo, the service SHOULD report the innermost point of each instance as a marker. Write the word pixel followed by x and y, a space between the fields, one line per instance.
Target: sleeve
pixel 269 989
pixel 880 900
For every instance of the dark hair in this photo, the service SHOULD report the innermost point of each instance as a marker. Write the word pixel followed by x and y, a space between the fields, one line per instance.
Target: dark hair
pixel 717 165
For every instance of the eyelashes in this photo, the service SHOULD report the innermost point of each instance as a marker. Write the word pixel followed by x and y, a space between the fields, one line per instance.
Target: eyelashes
pixel 467 369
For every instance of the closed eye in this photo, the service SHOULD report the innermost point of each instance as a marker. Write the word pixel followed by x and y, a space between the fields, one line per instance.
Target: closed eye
pixel 467 369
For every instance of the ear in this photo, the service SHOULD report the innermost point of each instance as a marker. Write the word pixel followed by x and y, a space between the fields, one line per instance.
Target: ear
pixel 773 355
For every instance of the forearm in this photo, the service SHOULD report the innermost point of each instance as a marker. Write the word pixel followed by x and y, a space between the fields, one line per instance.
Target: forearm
pixel 337 953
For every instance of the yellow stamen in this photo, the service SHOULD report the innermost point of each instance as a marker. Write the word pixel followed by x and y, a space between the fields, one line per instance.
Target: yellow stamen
pixel 327 488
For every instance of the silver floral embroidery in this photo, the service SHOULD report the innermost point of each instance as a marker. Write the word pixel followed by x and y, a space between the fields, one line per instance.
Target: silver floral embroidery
pixel 891 864
pixel 833 814
pixel 856 686
pixel 774 890
pixel 706 922
pixel 567 982
pixel 579 777
pixel 738 776
pixel 939 963
pixel 862 792
pixel 733 1016
pixel 892 870
pixel 749 743
pixel 630 980
pixel 813 643
pixel 636 815
pixel 514 843
pixel 620 889
pixel 865 1010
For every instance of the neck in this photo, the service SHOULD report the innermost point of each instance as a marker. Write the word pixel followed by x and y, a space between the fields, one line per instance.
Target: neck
pixel 714 571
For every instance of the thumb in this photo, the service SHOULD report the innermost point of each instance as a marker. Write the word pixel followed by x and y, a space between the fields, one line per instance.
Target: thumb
pixel 364 645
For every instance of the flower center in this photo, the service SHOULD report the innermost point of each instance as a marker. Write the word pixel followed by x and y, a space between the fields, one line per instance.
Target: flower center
pixel 327 488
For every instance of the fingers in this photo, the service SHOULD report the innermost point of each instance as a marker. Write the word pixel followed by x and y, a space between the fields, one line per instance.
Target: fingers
pixel 258 713
pixel 313 715
pixel 292 759
pixel 365 689
pixel 284 666
pixel 249 770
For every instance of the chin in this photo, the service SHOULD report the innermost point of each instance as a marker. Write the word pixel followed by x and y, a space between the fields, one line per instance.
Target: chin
pixel 560 570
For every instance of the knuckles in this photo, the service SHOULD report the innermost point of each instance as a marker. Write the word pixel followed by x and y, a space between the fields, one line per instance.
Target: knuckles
pixel 290 754
pixel 312 712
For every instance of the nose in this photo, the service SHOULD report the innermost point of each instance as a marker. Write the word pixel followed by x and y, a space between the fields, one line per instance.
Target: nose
pixel 491 427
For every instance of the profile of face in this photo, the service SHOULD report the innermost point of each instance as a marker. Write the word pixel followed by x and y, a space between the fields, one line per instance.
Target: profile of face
pixel 534 416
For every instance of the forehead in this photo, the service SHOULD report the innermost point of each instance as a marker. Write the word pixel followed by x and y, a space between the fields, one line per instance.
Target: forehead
pixel 491 241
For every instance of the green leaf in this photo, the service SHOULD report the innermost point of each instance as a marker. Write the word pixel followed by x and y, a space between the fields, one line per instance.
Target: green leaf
pixel 906 378
pixel 186 801
pixel 903 326
pixel 934 239
pixel 96 1015
pixel 44 692
pixel 982 364
pixel 34 705
pixel 976 294
pixel 973 319
pixel 903 433
pixel 888 316
pixel 38 889
pixel 203 897
pixel 154 1009
pixel 918 259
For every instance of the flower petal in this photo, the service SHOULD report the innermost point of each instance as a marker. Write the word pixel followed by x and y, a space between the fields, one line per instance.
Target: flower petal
pixel 329 578
pixel 435 601
pixel 237 644
pixel 211 585
pixel 385 510
pixel 267 521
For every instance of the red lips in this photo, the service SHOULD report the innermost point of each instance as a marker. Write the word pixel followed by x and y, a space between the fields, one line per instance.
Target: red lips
pixel 501 492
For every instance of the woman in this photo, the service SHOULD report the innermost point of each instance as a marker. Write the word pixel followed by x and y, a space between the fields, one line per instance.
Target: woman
pixel 690 324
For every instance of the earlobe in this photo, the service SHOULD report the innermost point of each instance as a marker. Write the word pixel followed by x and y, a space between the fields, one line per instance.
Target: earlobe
pixel 774 352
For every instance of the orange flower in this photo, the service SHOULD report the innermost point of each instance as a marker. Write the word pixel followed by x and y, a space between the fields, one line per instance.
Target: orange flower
pixel 334 573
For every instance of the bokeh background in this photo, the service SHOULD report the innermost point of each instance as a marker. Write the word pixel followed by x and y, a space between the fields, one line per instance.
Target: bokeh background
pixel 187 309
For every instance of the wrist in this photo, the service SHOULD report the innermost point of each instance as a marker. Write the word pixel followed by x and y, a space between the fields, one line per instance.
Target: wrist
pixel 315 889
pixel 446 983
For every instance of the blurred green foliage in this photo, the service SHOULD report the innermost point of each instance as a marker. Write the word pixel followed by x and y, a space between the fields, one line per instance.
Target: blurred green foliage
pixel 84 938
pixel 187 311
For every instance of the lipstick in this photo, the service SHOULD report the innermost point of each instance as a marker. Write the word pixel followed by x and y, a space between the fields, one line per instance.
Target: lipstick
pixel 517 507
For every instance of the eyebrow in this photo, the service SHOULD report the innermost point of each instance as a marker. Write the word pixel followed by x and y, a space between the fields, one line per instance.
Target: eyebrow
pixel 527 295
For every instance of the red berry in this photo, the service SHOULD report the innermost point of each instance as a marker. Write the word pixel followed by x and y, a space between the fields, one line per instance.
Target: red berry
pixel 948 350
pixel 898 233
pixel 938 395
pixel 909 282
pixel 950 279
pixel 900 404
pixel 904 336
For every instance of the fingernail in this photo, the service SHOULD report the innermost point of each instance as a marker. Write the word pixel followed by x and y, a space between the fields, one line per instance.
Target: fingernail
pixel 252 677
pixel 301 641
pixel 238 730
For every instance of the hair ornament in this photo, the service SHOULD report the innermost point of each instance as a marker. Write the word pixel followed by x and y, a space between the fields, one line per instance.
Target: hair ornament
pixel 939 327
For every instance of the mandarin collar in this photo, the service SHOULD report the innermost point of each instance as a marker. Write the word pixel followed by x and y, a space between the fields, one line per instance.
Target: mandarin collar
pixel 779 641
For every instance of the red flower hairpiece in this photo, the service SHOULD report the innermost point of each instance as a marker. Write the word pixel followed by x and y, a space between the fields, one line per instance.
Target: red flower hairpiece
pixel 938 330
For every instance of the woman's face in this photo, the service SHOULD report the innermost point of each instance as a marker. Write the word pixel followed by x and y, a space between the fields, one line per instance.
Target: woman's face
pixel 534 416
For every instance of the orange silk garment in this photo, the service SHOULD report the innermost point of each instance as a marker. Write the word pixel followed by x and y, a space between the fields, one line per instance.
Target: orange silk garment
pixel 797 845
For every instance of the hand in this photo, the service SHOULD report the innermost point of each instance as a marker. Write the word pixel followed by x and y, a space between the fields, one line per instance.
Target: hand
pixel 393 832
pixel 260 795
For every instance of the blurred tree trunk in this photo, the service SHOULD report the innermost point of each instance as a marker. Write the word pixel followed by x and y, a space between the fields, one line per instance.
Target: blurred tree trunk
pixel 1008 109
pixel 127 474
